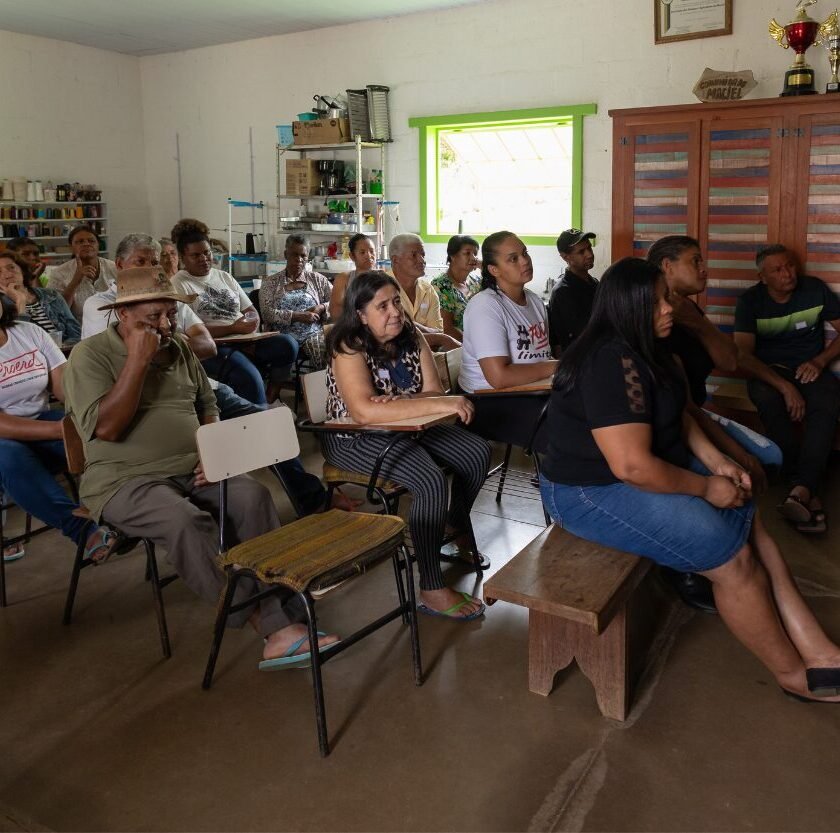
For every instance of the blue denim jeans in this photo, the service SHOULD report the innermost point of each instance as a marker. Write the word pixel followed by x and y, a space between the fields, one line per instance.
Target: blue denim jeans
pixel 27 476
pixel 245 374
pixel 683 532
pixel 762 448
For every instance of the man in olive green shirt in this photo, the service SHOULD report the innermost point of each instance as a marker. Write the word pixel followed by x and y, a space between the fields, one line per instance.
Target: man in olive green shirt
pixel 137 394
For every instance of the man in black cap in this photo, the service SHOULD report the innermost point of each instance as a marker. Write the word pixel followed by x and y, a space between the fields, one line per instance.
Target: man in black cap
pixel 571 300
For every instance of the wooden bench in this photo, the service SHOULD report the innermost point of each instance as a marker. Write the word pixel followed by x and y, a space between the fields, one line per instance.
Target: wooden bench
pixel 586 603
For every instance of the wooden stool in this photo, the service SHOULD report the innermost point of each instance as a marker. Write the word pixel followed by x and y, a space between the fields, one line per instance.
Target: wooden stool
pixel 578 596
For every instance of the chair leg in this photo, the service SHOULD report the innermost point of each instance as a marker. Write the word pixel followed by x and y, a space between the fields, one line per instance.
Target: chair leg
pixel 151 566
pixel 3 601
pixel 231 580
pixel 479 571
pixel 78 565
pixel 412 615
pixel 317 683
pixel 547 517
pixel 503 473
pixel 400 588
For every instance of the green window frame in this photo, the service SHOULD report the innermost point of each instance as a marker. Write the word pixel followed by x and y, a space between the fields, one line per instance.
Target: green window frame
pixel 430 127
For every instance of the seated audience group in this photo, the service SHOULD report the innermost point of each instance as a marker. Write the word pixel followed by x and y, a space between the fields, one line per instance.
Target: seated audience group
pixel 609 383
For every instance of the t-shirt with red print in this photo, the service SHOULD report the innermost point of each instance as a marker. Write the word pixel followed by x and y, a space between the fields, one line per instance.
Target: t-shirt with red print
pixel 615 387
pixel 496 326
pixel 26 360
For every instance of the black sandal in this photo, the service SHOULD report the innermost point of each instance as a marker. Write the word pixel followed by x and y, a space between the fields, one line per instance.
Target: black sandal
pixel 795 510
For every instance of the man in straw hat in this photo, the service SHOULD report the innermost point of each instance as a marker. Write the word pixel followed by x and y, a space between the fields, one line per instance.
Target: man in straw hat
pixel 304 489
pixel 137 394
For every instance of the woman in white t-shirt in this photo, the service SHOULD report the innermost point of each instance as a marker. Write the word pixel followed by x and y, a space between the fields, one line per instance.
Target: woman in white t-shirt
pixel 31 448
pixel 505 343
pixel 226 309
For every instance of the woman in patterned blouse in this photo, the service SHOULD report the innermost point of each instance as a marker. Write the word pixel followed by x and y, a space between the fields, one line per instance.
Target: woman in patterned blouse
pixel 381 370
pixel 458 283
pixel 294 301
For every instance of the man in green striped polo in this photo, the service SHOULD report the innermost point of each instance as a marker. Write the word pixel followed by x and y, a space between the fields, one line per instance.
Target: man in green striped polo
pixel 780 332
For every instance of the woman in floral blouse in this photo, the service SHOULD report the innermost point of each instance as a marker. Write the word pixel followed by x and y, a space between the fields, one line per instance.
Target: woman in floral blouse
pixel 457 284
pixel 382 370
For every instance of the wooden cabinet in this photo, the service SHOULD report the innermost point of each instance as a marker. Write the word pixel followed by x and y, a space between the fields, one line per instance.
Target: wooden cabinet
pixel 736 176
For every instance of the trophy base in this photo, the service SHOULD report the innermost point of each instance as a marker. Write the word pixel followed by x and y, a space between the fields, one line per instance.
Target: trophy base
pixel 799 81
pixel 832 87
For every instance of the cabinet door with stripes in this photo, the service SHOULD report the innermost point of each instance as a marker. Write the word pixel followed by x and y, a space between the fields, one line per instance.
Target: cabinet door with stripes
pixel 655 185
pixel 818 201
pixel 741 196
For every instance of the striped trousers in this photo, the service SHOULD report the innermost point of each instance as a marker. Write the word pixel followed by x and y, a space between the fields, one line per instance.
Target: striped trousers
pixel 415 464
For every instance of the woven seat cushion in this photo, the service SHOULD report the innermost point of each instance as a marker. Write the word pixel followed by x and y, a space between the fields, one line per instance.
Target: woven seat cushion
pixel 332 474
pixel 318 550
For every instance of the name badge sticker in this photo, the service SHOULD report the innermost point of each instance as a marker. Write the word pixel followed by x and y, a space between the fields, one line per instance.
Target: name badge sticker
pixel 383 374
pixel 801 325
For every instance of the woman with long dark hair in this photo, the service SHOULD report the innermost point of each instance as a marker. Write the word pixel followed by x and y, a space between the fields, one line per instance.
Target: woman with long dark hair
pixel 505 343
pixel 381 370
pixel 627 467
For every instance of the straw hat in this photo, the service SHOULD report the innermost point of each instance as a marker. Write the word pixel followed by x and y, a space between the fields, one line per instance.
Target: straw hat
pixel 145 283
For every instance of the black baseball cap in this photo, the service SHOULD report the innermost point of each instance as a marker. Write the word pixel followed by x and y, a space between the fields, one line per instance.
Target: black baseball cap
pixel 571 237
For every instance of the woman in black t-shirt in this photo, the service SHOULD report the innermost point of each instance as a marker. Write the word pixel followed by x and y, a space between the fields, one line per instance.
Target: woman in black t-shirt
pixel 628 468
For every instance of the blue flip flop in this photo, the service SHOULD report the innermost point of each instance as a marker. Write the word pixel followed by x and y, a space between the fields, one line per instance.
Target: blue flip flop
pixel 15 556
pixel 290 659
pixel 450 612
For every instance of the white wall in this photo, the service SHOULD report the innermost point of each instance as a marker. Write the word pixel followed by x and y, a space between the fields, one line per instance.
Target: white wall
pixel 71 113
pixel 498 54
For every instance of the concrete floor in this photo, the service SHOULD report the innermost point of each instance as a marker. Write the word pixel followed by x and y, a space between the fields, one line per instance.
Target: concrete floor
pixel 98 732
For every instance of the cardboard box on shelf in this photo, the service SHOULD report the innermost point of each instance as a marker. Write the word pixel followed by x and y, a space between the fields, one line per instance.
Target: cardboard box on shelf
pixel 302 177
pixel 321 131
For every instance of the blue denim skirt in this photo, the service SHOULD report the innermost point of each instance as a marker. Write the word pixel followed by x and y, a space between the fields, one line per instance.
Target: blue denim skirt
pixel 683 532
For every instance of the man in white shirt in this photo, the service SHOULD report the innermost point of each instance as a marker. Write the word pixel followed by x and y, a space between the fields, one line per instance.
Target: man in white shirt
pixel 419 298
pixel 85 274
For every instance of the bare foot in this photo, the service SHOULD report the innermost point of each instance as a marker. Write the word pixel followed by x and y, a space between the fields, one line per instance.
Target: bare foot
pixel 343 502
pixel 279 642
pixel 445 598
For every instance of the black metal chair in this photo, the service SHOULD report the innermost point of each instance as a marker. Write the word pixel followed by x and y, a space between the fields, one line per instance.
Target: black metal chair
pixel 308 556
pixel 74 450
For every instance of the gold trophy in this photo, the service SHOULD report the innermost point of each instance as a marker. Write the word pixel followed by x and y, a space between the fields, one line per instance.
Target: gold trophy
pixel 830 32
pixel 801 33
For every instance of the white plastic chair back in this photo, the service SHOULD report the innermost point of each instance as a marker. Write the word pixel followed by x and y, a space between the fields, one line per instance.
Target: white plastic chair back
pixel 315 396
pixel 453 362
pixel 237 446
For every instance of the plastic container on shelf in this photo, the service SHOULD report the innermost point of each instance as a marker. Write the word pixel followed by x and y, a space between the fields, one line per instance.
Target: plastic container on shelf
pixel 339 265
pixel 285 136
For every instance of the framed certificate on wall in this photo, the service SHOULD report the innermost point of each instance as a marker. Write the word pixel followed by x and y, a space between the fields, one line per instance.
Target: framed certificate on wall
pixel 687 19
